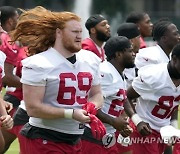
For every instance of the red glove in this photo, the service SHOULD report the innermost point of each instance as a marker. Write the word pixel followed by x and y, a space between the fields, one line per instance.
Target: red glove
pixel 97 128
pixel 90 108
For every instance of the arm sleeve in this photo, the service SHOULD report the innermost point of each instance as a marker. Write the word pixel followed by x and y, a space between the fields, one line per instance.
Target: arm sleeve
pixel 142 59
pixel 33 75
pixel 142 84
pixel 106 84
pixel 2 59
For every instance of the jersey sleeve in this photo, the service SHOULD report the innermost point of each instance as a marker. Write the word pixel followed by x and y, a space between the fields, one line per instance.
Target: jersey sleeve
pixel 85 46
pixel 106 83
pixel 95 65
pixel 109 83
pixel 144 58
pixel 143 84
pixel 32 74
pixel 96 79
pixel 2 59
pixel 10 50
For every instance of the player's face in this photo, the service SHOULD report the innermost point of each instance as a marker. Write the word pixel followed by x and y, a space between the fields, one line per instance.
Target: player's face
pixel 14 20
pixel 177 66
pixel 136 44
pixel 128 58
pixel 103 31
pixel 72 36
pixel 172 36
pixel 145 26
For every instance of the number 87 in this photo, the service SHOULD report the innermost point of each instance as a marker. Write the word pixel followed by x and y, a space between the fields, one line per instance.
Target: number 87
pixel 162 105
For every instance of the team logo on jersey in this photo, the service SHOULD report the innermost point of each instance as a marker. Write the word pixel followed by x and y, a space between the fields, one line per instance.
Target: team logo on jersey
pixel 141 79
pixel 102 75
pixel 146 59
pixel 13 50
pixel 28 67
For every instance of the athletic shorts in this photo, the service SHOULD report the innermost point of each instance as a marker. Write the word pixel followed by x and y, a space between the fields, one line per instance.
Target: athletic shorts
pixel 93 148
pixel 15 101
pixel 176 149
pixel 41 146
pixel 151 144
pixel 20 119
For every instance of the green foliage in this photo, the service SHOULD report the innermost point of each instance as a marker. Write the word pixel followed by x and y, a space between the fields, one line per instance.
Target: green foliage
pixel 45 3
pixel 109 6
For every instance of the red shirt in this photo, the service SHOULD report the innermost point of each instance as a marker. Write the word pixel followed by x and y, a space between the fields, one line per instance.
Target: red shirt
pixel 18 91
pixel 142 43
pixel 11 50
pixel 89 44
pixel 14 55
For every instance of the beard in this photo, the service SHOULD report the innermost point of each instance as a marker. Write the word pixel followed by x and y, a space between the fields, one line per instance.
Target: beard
pixel 129 65
pixel 101 36
pixel 71 46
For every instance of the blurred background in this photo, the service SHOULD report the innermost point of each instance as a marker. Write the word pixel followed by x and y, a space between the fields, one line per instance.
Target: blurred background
pixel 114 10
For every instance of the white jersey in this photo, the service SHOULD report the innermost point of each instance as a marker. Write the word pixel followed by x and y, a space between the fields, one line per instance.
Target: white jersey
pixel 67 85
pixel 150 55
pixel 130 74
pixel 114 91
pixel 2 60
pixel 159 97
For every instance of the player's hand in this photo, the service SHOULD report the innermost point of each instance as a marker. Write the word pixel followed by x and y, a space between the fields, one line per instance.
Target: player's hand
pixel 172 141
pixel 6 122
pixel 120 123
pixel 8 106
pixel 144 129
pixel 81 116
pixel 97 127
pixel 90 108
pixel 126 131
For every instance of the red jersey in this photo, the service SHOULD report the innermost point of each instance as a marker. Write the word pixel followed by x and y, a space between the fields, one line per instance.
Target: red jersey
pixel 11 50
pixel 17 92
pixel 14 54
pixel 89 44
pixel 142 43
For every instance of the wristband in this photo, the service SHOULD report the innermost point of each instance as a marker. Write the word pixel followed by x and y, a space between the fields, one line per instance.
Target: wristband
pixel 174 123
pixel 136 119
pixel 68 113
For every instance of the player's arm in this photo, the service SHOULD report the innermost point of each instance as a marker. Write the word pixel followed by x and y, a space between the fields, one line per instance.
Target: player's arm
pixel 95 96
pixel 2 107
pixel 10 79
pixel 118 123
pixel 33 97
pixel 128 105
pixel 142 127
pixel 174 118
pixel 5 120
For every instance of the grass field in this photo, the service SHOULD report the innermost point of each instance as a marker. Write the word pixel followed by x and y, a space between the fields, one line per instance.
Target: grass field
pixel 14 149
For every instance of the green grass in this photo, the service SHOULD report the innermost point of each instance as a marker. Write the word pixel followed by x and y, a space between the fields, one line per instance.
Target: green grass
pixel 14 148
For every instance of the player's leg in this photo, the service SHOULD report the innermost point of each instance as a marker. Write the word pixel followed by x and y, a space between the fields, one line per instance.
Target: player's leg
pixel 9 135
pixel 8 139
pixel 168 150
pixel 149 144
pixel 1 142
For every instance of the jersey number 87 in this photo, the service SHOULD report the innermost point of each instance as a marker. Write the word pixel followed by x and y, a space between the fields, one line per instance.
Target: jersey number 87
pixel 165 103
